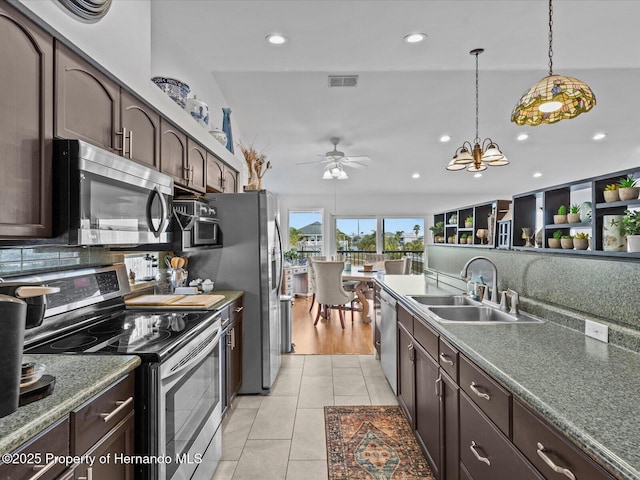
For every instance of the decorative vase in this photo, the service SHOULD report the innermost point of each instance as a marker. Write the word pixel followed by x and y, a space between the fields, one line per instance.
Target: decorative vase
pixel 566 243
pixel 559 219
pixel 219 135
pixel 611 195
pixel 226 127
pixel 633 243
pixel 539 238
pixel 176 89
pixel 573 218
pixel 469 240
pixel 586 210
pixel 613 239
pixel 453 220
pixel 629 193
pixel 198 110
pixel 527 234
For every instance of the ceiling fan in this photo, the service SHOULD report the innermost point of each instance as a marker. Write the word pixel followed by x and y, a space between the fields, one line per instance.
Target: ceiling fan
pixel 337 159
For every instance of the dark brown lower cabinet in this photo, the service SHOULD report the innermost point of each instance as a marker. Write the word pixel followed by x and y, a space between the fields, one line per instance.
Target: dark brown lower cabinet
pixel 406 355
pixel 232 316
pixel 428 403
pixel 451 437
pixel 485 452
pixel 119 441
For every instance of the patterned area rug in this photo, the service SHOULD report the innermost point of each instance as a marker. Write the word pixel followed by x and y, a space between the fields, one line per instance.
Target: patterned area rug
pixel 372 442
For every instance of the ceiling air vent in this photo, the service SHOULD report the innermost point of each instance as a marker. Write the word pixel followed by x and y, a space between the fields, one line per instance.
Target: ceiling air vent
pixel 343 80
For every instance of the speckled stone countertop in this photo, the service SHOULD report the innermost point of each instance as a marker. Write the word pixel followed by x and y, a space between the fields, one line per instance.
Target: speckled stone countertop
pixel 586 388
pixel 78 378
pixel 229 296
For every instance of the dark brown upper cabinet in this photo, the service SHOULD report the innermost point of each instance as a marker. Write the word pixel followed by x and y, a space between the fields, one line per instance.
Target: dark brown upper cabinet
pixel 87 102
pixel 141 128
pixel 230 180
pixel 220 178
pixel 26 127
pixel 196 168
pixel 173 152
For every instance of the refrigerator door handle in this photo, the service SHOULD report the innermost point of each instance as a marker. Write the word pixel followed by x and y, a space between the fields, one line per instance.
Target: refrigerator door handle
pixel 280 256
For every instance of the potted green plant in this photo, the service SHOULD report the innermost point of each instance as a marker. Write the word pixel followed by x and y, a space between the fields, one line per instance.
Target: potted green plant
pixel 574 214
pixel 468 222
pixel 628 189
pixel 451 239
pixel 561 217
pixel 554 242
pixel 631 226
pixel 463 238
pixel 290 256
pixel 438 232
pixel 581 241
pixel 566 242
pixel 611 193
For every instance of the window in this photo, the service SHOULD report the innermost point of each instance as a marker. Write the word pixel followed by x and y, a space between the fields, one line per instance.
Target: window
pixel 356 235
pixel 306 232
pixel 403 234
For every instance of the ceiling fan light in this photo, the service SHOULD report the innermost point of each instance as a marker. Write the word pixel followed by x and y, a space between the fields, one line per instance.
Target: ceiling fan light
pixel 326 175
pixel 343 175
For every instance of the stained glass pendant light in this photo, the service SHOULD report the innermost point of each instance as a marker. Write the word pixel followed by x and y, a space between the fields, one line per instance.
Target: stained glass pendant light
pixel 476 158
pixel 555 97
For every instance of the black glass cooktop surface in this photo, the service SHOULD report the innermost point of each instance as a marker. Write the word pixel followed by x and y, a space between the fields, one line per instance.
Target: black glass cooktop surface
pixel 131 332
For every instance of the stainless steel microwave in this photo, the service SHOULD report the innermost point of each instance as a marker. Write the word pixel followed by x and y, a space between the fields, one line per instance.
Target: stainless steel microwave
pixel 197 224
pixel 101 198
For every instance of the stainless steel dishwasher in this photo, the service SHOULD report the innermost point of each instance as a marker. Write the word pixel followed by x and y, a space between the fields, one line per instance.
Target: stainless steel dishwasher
pixel 389 338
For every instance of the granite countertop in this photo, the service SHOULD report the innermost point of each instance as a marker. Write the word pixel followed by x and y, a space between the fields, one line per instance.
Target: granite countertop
pixel 586 388
pixel 78 378
pixel 229 296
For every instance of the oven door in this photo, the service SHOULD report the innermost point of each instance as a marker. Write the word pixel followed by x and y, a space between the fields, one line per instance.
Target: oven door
pixel 190 409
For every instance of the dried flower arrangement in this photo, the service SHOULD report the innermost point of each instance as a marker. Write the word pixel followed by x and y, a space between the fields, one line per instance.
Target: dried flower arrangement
pixel 256 164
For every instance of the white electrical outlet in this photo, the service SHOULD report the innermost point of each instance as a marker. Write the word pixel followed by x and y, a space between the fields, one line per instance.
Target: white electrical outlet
pixel 596 330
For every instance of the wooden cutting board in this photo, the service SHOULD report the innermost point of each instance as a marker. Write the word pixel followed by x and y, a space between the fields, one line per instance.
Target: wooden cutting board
pixel 152 300
pixel 175 301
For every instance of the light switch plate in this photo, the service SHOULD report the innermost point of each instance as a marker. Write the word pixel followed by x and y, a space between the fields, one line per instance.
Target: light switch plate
pixel 596 330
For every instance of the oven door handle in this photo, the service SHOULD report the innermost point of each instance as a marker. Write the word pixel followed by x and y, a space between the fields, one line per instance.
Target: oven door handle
pixel 164 222
pixel 183 365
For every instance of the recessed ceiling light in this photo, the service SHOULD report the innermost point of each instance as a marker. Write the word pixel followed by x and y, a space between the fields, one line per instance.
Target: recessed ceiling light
pixel 522 136
pixel 445 138
pixel 415 175
pixel 477 175
pixel 599 136
pixel 537 175
pixel 415 37
pixel 276 39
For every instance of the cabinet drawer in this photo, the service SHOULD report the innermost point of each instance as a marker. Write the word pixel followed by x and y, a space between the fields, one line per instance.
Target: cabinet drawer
pixel 448 359
pixel 485 452
pixel 426 337
pixel 492 399
pixel 235 309
pixel 100 414
pixel 536 439
pixel 54 440
pixel 405 319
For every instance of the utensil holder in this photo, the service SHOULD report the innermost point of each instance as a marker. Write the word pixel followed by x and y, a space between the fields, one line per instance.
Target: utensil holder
pixel 177 277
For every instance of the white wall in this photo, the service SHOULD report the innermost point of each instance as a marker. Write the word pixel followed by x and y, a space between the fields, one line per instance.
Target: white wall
pixel 124 44
pixel 344 204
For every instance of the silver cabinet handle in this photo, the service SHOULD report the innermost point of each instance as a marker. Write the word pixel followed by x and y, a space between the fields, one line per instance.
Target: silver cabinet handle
pixel 123 134
pixel 564 471
pixel 121 405
pixel 478 392
pixel 89 474
pixel 130 143
pixel 437 386
pixel 378 343
pixel 42 469
pixel 412 353
pixel 191 173
pixel 229 339
pixel 477 455
pixel 444 359
pixel 239 309
pixel 233 339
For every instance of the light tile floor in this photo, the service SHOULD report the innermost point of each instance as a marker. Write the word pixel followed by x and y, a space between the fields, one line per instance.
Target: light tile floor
pixel 282 436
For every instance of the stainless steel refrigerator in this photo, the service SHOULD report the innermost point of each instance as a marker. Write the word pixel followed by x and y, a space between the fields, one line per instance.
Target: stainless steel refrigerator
pixel 250 260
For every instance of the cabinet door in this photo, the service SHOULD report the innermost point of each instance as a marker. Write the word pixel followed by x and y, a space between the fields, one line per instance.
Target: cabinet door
pixel 406 356
pixel 26 126
pixel 87 102
pixel 450 422
pixel 428 389
pixel 141 124
pixel 230 180
pixel 173 152
pixel 196 166
pixel 234 367
pixel 117 441
pixel 215 174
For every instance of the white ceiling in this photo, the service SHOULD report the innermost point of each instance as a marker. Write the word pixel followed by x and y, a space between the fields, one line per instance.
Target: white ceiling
pixel 409 95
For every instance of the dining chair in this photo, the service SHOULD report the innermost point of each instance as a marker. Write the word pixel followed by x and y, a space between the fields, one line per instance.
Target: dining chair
pixel 311 276
pixel 329 291
pixel 377 259
pixel 394 267
pixel 408 264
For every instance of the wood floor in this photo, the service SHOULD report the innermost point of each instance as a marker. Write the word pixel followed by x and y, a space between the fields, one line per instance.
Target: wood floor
pixel 328 337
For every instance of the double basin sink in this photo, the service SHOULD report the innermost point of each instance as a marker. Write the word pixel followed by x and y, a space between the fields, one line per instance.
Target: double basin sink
pixel 462 309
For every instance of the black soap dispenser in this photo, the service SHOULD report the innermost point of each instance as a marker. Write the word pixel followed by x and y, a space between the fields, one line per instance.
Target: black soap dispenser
pixel 13 314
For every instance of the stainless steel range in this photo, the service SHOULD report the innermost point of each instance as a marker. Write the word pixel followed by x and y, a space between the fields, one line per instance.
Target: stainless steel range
pixel 178 401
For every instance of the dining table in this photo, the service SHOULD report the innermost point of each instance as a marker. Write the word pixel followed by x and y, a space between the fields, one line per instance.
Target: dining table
pixel 364 279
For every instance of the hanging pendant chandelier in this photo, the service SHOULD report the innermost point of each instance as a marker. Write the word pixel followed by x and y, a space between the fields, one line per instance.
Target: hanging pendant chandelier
pixel 476 158
pixel 555 97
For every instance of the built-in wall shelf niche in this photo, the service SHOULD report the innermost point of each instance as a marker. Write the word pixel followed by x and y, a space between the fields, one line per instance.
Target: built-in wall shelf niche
pixel 481 232
pixel 536 210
